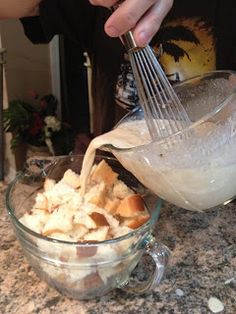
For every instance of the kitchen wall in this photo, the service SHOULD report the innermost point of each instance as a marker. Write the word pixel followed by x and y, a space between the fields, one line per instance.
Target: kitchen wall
pixel 27 67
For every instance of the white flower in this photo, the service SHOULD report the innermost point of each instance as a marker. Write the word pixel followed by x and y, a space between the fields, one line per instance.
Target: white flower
pixel 52 123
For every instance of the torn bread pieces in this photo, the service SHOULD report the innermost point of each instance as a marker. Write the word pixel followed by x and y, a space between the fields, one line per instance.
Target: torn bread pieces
pixel 71 178
pixel 49 184
pixel 108 209
pixel 103 172
pixel 131 206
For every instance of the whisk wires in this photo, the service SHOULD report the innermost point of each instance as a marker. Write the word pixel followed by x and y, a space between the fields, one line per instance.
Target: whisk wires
pixel 163 111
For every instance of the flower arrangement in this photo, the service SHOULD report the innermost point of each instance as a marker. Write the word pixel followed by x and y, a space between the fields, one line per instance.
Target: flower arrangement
pixel 37 124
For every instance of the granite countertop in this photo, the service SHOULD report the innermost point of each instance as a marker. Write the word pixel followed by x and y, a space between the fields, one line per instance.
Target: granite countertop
pixel 203 265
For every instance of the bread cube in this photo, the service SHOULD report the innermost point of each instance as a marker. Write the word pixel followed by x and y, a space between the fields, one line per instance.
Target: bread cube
pixel 131 206
pixel 71 178
pixel 103 172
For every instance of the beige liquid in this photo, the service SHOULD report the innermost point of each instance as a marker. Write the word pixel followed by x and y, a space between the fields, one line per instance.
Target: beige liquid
pixel 189 176
pixel 127 135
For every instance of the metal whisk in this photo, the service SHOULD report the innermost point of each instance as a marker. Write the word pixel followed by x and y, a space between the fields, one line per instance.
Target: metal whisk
pixel 163 111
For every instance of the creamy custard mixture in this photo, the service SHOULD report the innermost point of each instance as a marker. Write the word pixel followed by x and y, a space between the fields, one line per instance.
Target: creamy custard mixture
pixel 196 174
pixel 127 135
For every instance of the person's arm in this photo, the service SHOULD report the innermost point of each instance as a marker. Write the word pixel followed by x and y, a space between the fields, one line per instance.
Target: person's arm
pixel 143 16
pixel 75 19
pixel 18 8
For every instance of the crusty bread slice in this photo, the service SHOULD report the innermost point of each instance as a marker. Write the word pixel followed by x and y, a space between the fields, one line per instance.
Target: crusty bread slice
pixel 71 178
pixel 83 218
pixel 35 219
pixel 49 184
pixel 131 206
pixel 103 172
pixel 99 219
pixel 78 232
pixel 60 219
pixel 121 190
pixel 99 234
pixel 41 201
pixel 136 222
pixel 111 205
pixel 112 221
pixel 49 232
pixel 72 236
pixel 97 195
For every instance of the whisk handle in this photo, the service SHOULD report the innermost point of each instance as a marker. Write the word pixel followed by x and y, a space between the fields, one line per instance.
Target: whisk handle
pixel 127 39
pixel 129 42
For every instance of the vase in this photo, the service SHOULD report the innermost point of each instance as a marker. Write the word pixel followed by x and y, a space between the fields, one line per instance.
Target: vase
pixel 37 151
pixel 20 156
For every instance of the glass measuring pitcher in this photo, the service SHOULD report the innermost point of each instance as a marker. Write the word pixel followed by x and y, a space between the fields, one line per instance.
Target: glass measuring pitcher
pixel 198 170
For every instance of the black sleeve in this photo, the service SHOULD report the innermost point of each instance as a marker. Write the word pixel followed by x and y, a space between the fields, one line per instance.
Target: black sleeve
pixel 73 18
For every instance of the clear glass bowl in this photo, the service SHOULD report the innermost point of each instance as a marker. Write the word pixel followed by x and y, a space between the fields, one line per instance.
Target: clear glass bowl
pixel 196 170
pixel 83 270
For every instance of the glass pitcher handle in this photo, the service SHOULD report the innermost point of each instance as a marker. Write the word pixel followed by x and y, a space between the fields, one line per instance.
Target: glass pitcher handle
pixel 160 255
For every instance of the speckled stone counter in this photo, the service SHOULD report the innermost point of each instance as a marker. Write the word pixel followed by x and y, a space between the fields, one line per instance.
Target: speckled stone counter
pixel 203 265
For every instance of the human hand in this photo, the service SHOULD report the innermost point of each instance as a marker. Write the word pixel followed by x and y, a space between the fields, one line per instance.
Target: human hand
pixel 144 17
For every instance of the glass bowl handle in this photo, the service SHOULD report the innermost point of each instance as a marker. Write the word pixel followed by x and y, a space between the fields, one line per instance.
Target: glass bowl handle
pixel 160 255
